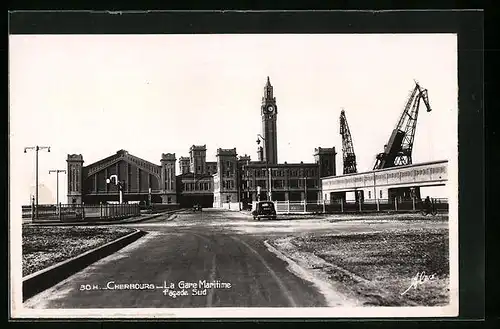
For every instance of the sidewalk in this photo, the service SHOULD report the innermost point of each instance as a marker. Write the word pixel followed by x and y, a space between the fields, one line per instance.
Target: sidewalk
pixel 129 220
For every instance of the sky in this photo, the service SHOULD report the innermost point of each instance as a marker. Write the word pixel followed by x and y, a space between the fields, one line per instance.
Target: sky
pixel 152 94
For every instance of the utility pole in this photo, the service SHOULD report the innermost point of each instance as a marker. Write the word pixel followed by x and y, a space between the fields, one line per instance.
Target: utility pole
pixel 238 182
pixel 57 171
pixel 305 193
pixel 36 149
pixel 268 170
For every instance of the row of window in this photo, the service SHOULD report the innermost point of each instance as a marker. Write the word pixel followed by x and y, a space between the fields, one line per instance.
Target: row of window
pixel 228 170
pixel 381 195
pixel 281 172
pixel 75 178
pixel 228 184
pixel 201 186
pixel 279 183
pixel 227 199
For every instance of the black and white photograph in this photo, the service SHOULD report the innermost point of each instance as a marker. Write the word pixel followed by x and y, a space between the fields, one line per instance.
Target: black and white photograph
pixel 233 175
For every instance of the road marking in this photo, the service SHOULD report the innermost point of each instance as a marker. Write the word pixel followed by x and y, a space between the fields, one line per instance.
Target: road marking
pixel 210 295
pixel 280 283
pixel 201 237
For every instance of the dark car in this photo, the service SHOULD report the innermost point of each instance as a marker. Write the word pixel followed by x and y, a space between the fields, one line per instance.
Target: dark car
pixel 264 209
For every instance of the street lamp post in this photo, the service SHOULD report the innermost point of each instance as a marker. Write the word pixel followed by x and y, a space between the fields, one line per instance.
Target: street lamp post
pixel 242 186
pixel 118 184
pixel 269 192
pixel 57 171
pixel 36 149
pixel 194 179
pixel 305 193
pixel 238 182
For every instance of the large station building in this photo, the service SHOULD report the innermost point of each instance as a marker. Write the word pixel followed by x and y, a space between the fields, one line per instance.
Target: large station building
pixel 233 181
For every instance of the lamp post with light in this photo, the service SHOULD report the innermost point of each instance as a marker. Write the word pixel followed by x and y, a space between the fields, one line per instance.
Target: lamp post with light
pixel 269 192
pixel 118 183
pixel 36 149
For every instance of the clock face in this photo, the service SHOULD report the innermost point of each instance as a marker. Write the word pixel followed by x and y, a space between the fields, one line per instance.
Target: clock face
pixel 270 109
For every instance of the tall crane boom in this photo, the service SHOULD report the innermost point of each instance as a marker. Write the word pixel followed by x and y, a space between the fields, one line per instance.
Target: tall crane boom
pixel 398 150
pixel 348 156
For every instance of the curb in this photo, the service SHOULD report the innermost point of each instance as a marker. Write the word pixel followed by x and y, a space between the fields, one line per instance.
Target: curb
pixel 169 213
pixel 352 276
pixel 46 278
pixel 171 217
pixel 140 219
pixel 333 297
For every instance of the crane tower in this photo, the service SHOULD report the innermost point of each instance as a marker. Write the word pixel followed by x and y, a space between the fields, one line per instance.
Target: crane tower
pixel 399 148
pixel 348 156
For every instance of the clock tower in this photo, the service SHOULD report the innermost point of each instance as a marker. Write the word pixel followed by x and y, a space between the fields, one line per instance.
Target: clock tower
pixel 269 113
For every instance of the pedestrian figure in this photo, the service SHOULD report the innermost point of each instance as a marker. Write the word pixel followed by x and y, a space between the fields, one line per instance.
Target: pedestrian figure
pixel 428 204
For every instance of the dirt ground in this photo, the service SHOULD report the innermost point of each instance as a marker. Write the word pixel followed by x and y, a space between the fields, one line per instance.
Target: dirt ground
pixel 404 264
pixel 44 246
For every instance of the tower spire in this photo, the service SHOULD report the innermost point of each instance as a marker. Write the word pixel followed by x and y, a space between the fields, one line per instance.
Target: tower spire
pixel 268 92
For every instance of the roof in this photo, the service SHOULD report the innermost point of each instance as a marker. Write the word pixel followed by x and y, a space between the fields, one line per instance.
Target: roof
pixel 119 154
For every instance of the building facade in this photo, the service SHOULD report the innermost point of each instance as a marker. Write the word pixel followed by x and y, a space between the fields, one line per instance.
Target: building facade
pixel 137 179
pixel 232 181
pixel 195 182
pixel 240 181
pixel 258 180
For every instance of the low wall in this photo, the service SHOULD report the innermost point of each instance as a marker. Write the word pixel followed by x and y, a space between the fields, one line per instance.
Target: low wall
pixel 159 207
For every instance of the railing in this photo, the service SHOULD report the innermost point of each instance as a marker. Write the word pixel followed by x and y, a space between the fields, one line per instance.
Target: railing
pixel 78 212
pixel 382 205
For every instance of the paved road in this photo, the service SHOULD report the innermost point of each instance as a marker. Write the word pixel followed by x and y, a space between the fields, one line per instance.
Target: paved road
pixel 215 246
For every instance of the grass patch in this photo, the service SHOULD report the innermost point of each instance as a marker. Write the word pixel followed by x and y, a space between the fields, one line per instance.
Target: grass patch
pixel 384 263
pixel 415 216
pixel 45 246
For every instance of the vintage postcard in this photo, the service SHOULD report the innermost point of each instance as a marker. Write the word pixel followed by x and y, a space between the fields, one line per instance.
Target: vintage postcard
pixel 233 175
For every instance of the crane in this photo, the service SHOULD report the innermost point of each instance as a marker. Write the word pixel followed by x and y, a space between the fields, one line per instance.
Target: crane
pixel 397 152
pixel 348 156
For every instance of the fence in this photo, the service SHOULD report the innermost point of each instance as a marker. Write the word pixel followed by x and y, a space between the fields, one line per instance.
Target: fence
pixel 77 212
pixel 330 207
